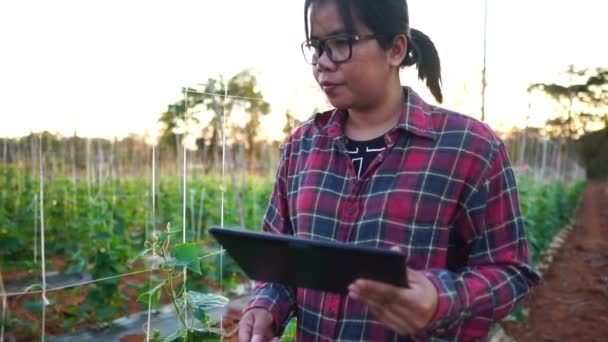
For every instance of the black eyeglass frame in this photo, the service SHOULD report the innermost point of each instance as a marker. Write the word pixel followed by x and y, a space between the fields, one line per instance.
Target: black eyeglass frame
pixel 322 46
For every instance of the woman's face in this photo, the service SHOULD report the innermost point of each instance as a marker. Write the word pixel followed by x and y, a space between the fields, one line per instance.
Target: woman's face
pixel 360 82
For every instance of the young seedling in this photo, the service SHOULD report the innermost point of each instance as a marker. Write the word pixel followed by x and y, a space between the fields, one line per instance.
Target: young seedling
pixel 171 262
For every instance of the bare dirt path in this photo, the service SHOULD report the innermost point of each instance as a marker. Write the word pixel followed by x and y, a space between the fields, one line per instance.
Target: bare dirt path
pixel 572 303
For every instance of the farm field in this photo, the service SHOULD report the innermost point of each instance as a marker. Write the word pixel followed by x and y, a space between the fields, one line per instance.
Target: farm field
pixel 98 231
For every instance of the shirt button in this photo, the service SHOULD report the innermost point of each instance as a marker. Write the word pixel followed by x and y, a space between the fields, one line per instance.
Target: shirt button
pixel 351 210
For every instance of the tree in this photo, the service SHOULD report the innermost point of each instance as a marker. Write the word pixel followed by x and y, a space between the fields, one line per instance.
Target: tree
pixel 584 103
pixel 290 124
pixel 592 148
pixel 242 92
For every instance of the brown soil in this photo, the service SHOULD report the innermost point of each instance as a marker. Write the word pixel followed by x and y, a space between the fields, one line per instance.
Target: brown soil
pixel 58 263
pixel 63 301
pixel 572 302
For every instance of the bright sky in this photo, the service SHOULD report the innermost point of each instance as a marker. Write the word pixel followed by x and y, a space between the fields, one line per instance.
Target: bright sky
pixel 107 68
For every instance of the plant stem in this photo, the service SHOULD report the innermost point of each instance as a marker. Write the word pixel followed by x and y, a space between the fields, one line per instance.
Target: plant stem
pixel 172 295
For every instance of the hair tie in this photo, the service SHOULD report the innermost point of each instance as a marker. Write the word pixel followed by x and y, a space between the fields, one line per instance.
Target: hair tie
pixel 412 51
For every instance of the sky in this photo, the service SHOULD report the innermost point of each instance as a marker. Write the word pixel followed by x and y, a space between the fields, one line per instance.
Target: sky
pixel 110 68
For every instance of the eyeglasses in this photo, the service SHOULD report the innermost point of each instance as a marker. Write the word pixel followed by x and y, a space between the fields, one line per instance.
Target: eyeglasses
pixel 339 49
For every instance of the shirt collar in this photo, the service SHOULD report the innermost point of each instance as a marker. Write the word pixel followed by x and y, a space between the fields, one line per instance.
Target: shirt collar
pixel 415 118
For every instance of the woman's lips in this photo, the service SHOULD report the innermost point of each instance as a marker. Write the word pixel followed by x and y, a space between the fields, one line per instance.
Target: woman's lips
pixel 329 87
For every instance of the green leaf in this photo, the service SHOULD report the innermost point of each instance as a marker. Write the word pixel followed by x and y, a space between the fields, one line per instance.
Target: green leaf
pixel 176 262
pixel 80 264
pixel 36 305
pixel 153 294
pixel 186 254
pixel 195 335
pixel 290 330
pixel 176 336
pixel 144 252
pixel 106 313
pixel 102 236
pixel 201 315
pixel 202 303
pixel 164 234
pixel 156 334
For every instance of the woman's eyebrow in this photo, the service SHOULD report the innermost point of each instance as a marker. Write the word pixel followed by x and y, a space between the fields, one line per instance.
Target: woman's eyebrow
pixel 331 34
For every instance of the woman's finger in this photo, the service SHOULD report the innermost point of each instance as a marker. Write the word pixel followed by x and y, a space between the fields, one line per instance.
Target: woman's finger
pixel 370 290
pixel 394 317
pixel 245 328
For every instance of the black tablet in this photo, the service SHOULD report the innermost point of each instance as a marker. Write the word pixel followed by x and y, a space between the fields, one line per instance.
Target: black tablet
pixel 308 263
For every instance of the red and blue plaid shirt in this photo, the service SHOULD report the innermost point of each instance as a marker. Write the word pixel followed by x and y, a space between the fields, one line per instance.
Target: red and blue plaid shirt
pixel 443 190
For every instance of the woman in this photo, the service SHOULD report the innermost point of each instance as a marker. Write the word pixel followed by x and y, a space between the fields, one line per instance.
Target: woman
pixel 386 169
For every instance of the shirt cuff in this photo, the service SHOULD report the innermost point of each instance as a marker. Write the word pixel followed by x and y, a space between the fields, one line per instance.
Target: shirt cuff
pixel 447 315
pixel 266 305
pixel 444 302
pixel 273 300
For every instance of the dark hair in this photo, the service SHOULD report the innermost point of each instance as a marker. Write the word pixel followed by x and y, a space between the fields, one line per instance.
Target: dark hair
pixel 389 18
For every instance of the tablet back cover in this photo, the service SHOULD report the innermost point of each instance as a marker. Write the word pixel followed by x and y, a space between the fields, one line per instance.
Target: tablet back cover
pixel 307 263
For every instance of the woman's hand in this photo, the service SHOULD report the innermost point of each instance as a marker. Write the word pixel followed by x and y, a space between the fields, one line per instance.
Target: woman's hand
pixel 406 311
pixel 257 326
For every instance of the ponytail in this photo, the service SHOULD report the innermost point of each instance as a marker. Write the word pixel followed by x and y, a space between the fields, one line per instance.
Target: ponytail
pixel 422 52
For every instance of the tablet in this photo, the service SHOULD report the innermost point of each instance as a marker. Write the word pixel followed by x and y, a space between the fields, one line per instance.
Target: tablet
pixel 309 263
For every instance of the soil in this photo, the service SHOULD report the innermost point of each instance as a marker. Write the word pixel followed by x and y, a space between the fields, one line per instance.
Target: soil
pixel 61 310
pixel 57 263
pixel 64 302
pixel 572 302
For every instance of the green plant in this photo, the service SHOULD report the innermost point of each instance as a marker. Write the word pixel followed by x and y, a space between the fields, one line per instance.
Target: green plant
pixel 175 260
pixel 290 331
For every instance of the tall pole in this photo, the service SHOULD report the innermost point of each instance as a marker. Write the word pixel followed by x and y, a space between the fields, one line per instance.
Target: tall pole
pixel 485 53
pixel 524 138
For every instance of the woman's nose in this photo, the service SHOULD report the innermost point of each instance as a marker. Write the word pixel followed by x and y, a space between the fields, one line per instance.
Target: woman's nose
pixel 325 63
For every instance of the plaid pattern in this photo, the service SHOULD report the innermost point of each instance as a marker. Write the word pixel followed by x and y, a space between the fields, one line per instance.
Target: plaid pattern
pixel 443 190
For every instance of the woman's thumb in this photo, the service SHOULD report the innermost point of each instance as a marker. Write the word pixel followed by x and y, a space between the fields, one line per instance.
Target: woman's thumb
pixel 261 328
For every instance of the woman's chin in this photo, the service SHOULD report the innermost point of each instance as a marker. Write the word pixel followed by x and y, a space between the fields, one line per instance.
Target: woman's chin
pixel 339 103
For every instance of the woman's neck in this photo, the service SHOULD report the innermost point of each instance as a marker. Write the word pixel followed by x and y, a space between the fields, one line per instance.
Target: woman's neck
pixel 372 122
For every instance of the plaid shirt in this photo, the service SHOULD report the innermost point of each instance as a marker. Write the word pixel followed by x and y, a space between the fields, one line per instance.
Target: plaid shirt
pixel 443 190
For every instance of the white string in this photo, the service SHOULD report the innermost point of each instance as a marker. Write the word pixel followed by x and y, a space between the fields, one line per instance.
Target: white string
pixel 4 308
pixel 35 229
pixel 154 234
pixel 225 95
pixel 51 289
pixel 45 301
pixel 154 188
pixel 192 211
pixel 200 214
pixel 223 182
pixel 184 175
pixel 223 190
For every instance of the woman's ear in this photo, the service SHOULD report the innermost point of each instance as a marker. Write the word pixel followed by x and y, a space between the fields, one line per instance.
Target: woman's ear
pixel 398 50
